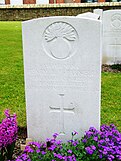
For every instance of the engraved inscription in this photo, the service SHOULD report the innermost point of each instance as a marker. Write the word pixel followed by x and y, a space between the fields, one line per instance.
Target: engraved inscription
pixel 62 110
pixel 59 40
pixel 55 76
pixel 116 21
pixel 116 47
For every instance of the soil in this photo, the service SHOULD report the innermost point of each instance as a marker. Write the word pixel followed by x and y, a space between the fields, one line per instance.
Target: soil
pixel 22 135
pixel 112 68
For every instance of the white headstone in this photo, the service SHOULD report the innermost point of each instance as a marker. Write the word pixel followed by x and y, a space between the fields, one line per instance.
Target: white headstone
pixel 99 12
pixel 112 37
pixel 42 1
pixel 89 15
pixel 62 75
pixel 16 2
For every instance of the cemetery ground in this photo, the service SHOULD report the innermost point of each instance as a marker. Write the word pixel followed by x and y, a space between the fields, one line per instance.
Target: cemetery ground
pixel 12 94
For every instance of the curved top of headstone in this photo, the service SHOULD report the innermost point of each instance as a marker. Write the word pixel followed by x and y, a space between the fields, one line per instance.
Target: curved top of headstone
pixel 62 57
pixel 86 16
pixel 112 20
pixel 89 15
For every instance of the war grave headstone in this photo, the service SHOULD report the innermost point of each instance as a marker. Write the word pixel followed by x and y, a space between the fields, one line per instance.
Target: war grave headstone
pixel 62 67
pixel 111 52
pixel 89 15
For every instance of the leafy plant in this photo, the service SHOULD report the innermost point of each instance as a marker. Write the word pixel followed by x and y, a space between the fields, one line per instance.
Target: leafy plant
pixel 116 66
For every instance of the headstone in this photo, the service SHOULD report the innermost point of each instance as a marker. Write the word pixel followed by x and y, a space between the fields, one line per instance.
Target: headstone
pixel 111 52
pixel 62 75
pixel 112 37
pixel 99 12
pixel 42 1
pixel 89 15
pixel 16 2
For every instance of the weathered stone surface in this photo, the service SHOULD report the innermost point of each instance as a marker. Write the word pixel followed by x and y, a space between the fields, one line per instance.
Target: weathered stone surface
pixel 112 37
pixel 62 75
pixel 111 19
pixel 99 12
pixel 89 15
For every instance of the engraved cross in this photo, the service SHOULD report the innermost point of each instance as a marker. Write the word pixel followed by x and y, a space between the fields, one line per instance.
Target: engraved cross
pixel 62 110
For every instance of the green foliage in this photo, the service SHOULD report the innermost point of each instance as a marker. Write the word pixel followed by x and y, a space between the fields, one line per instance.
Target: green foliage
pixel 11 71
pixel 111 99
pixel 7 152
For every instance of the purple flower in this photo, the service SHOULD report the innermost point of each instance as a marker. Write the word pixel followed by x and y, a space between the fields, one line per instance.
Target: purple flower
pixel 43 152
pixel 74 133
pixel 8 130
pixel 51 148
pixel 93 147
pixel 69 151
pixel 95 138
pixel 7 113
pixel 84 140
pixel 74 143
pixel 55 135
pixel 89 150
pixel 38 151
pixel 23 157
pixel 28 149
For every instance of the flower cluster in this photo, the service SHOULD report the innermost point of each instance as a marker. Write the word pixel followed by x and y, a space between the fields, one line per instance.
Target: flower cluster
pixel 8 130
pixel 52 150
pixel 105 143
pixel 102 145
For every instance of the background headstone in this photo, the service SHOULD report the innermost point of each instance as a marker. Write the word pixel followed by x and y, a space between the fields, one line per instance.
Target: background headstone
pixel 112 37
pixel 89 15
pixel 62 67
pixel 111 51
pixel 99 12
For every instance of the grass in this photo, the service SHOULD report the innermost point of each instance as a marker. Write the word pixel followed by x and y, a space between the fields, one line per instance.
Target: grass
pixel 12 80
pixel 111 99
pixel 11 71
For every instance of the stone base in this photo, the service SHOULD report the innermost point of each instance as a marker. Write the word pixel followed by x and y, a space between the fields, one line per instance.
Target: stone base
pixel 28 140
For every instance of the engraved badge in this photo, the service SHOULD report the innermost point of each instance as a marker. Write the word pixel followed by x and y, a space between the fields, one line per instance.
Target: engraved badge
pixel 60 40
pixel 116 21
